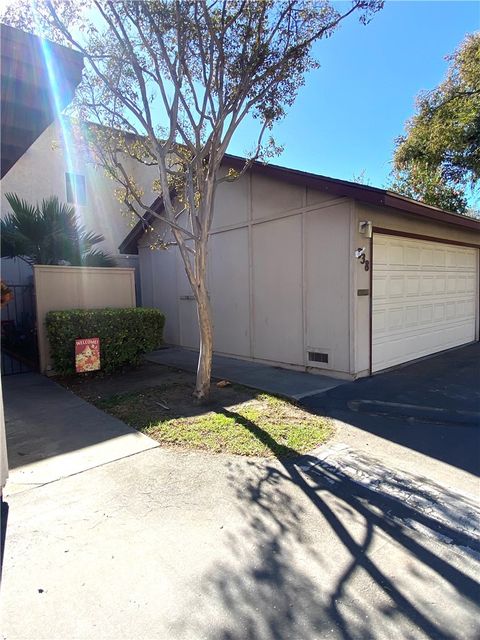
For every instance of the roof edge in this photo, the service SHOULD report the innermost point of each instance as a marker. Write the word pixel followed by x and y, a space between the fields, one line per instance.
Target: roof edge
pixel 340 188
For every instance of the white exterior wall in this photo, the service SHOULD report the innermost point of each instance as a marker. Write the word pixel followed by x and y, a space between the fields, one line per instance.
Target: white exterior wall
pixel 279 276
pixel 40 173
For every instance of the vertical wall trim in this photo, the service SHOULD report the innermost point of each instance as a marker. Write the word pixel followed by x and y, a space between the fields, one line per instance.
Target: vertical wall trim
pixel 251 310
pixel 304 289
pixel 177 298
pixel 477 308
pixel 304 279
pixel 352 327
pixel 370 319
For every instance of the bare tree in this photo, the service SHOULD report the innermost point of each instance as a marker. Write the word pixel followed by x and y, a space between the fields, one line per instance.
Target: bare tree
pixel 170 82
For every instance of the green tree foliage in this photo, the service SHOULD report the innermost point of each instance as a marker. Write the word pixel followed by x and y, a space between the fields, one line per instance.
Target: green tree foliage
pixel 439 157
pixel 49 234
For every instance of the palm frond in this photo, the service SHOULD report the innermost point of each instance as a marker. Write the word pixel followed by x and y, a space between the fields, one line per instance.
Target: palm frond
pixel 49 234
pixel 98 258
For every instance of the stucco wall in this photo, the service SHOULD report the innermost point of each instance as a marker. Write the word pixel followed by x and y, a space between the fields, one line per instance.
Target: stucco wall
pixel 279 276
pixel 40 173
pixel 58 288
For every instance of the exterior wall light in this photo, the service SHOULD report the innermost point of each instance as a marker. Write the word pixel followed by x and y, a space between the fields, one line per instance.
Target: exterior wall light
pixel 365 228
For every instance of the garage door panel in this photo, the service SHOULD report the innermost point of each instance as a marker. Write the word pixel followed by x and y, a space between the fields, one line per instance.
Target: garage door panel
pixel 439 312
pixel 395 253
pixel 433 341
pixel 424 299
pixel 411 316
pixel 412 256
pixel 381 252
pixel 396 286
pixel 439 258
pixel 440 284
pixel 426 288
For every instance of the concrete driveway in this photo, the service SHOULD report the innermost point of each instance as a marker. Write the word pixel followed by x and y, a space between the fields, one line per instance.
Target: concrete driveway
pixel 425 414
pixel 189 546
pixel 369 537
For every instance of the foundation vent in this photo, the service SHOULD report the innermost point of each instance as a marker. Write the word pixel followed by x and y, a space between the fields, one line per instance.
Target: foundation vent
pixel 315 356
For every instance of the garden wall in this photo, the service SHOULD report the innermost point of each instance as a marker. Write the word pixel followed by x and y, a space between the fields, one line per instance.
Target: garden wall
pixel 58 288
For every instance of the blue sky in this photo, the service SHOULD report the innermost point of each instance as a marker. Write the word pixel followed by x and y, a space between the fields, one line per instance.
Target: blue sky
pixel 350 111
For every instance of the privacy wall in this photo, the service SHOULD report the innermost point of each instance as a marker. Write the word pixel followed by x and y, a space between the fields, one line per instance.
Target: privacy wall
pixel 58 288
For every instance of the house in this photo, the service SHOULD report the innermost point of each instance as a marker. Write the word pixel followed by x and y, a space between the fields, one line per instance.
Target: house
pixel 44 152
pixel 318 274
pixel 305 271
pixel 56 164
pixel 27 109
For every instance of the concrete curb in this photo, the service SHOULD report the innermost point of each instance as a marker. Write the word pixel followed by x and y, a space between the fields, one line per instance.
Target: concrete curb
pixel 425 413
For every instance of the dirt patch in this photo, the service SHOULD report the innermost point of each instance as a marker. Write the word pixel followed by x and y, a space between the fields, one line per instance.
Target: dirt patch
pixel 158 401
pixel 99 386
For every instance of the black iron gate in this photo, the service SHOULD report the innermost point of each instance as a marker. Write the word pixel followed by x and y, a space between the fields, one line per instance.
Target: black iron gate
pixel 18 330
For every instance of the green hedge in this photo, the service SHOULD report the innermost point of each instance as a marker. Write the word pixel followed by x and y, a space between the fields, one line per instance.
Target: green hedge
pixel 125 335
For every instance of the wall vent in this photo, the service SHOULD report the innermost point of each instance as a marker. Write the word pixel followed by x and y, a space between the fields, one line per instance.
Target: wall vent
pixel 315 356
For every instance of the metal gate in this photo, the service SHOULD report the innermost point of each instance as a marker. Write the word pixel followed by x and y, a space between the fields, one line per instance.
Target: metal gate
pixel 18 331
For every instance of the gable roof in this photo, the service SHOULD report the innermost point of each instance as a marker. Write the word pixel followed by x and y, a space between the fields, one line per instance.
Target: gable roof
pixel 341 188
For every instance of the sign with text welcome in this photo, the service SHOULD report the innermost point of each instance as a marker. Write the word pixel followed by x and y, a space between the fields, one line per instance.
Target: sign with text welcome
pixel 87 354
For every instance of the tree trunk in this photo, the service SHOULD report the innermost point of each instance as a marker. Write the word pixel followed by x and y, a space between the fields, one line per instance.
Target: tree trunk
pixel 204 369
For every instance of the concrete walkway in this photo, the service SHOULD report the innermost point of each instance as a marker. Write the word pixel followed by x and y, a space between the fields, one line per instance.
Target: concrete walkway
pixel 52 433
pixel 139 541
pixel 189 546
pixel 284 382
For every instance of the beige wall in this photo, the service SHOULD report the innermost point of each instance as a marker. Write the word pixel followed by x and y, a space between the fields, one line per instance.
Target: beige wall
pixel 59 288
pixel 277 290
pixel 282 277
pixel 229 282
pixel 389 218
pixel 279 276
pixel 328 284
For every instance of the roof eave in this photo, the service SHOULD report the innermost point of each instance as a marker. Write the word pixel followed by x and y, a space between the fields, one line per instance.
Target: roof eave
pixel 339 188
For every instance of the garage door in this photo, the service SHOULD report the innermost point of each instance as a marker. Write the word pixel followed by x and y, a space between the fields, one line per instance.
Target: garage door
pixel 424 298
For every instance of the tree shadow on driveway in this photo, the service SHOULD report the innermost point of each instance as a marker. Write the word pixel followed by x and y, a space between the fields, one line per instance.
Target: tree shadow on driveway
pixel 323 556
pixel 431 406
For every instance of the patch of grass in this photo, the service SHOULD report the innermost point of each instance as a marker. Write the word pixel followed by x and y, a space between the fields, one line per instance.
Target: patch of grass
pixel 239 421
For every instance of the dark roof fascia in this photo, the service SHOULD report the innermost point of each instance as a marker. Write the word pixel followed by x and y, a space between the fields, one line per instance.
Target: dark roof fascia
pixel 129 244
pixel 338 188
pixel 360 192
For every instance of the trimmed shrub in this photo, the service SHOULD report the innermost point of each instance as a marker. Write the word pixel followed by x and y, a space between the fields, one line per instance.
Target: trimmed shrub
pixel 125 335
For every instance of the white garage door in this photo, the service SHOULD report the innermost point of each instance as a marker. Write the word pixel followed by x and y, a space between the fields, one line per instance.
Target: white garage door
pixel 424 298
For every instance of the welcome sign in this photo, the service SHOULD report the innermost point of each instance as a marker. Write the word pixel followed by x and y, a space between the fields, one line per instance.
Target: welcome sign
pixel 87 355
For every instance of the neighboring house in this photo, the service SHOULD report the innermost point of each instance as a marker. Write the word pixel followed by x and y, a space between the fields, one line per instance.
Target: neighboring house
pixel 287 288
pixel 56 164
pixel 27 109
pixel 52 160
